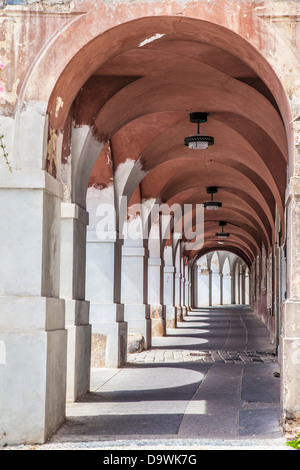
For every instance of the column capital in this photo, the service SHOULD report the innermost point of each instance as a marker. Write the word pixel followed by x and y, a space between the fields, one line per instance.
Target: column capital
pixel 134 251
pixel 156 262
pixel 169 269
pixel 31 179
pixel 94 236
pixel 73 211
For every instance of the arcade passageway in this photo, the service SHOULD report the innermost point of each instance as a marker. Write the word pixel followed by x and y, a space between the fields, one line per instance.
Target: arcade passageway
pixel 154 196
pixel 214 377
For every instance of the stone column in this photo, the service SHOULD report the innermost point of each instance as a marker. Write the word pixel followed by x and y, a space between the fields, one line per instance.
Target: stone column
pixel 187 287
pixel 33 338
pixel 216 288
pixel 227 289
pixel 247 287
pixel 134 292
pixel 204 290
pixel 74 221
pixel 169 296
pixel 178 306
pixel 155 296
pixel 242 286
pixel 156 281
pixel 289 348
pixel 221 289
pixel 210 288
pixel 183 298
pixel 103 284
pixel 194 286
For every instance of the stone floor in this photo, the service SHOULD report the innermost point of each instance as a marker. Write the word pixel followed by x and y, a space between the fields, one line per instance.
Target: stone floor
pixel 206 357
pixel 211 383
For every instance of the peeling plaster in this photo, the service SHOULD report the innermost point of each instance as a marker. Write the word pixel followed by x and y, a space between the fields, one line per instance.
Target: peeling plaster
pixel 59 105
pixel 98 196
pixel 152 39
pixel 51 164
pixel 11 97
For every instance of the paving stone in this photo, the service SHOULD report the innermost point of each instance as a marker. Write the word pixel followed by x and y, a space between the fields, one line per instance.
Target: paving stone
pixel 184 394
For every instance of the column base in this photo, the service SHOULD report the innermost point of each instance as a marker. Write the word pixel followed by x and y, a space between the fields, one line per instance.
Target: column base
pixel 171 317
pixel 33 364
pixel 289 354
pixel 138 320
pixel 79 349
pixel 109 336
pixel 158 320
pixel 179 313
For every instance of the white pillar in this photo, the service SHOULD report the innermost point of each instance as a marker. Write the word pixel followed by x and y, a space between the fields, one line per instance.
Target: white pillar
pixel 289 347
pixel 155 296
pixel 33 339
pixel 227 287
pixel 103 284
pixel 134 291
pixel 216 288
pixel 74 221
pixel 187 295
pixel 156 281
pixel 247 287
pixel 183 299
pixel 169 296
pixel 203 287
pixel 177 281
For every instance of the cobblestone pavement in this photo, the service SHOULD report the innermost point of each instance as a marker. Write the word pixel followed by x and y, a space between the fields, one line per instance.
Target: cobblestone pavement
pixel 210 384
pixel 162 356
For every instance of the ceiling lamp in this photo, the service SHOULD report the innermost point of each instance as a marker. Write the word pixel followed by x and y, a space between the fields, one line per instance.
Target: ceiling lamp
pixel 212 205
pixel 198 141
pixel 222 235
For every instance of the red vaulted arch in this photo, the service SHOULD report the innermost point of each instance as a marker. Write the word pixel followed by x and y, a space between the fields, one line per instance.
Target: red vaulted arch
pixel 135 86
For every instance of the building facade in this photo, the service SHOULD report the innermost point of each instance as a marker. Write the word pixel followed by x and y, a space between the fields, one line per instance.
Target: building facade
pixel 102 216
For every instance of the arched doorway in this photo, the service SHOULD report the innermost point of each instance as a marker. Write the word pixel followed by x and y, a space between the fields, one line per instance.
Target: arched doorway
pixel 218 280
pixel 137 153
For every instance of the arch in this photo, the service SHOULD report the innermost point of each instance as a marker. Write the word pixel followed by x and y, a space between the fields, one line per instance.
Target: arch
pixel 165 47
pixel 231 119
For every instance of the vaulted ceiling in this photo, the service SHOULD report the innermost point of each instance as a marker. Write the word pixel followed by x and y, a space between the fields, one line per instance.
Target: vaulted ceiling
pixel 140 99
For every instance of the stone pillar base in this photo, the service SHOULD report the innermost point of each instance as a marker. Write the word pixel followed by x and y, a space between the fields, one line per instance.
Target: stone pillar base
pixel 33 369
pixel 109 336
pixel 135 343
pixel 79 349
pixel 158 320
pixel 138 320
pixel 179 313
pixel 171 318
pixel 289 354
